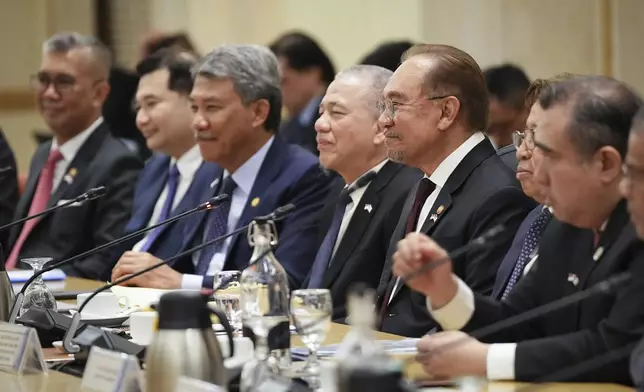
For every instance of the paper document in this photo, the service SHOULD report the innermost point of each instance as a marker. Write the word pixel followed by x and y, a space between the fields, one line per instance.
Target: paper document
pixel 404 346
pixel 21 276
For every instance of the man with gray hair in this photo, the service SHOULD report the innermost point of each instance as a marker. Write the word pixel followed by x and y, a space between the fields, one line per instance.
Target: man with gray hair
pixel 365 204
pixel 236 101
pixel 71 87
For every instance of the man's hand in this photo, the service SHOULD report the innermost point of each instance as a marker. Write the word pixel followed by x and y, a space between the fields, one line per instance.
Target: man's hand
pixel 413 252
pixel 452 354
pixel 163 277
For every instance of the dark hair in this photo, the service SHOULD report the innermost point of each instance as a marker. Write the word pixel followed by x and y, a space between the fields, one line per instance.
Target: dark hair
pixel 179 66
pixel 387 55
pixel 603 110
pixel 507 83
pixel 302 52
pixel 532 94
pixel 457 73
pixel 179 41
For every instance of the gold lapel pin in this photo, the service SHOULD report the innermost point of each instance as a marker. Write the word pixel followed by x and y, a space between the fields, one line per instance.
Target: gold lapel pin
pixel 440 209
pixel 254 202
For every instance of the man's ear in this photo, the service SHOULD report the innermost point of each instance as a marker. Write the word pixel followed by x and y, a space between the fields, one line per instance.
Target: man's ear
pixel 260 111
pixel 609 162
pixel 450 109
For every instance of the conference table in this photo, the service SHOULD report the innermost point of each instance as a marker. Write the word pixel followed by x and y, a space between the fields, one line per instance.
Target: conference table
pixel 54 381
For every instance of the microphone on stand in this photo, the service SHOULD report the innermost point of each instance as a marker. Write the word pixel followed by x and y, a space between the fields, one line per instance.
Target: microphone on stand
pixel 50 324
pixel 72 348
pixel 91 194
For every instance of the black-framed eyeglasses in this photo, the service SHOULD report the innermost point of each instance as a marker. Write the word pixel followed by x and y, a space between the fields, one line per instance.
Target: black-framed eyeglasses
pixel 527 136
pixel 62 83
pixel 388 107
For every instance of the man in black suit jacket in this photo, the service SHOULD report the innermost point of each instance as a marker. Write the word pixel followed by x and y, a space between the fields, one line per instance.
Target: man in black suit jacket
pixel 71 87
pixel 9 193
pixel 581 139
pixel 363 210
pixel 432 124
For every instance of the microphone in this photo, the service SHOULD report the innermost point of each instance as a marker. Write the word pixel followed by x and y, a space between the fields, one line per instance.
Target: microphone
pixel 52 320
pixel 70 347
pixel 91 194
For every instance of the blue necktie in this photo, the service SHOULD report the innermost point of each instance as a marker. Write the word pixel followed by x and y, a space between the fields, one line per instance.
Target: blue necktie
pixel 216 226
pixel 529 245
pixel 173 183
pixel 326 249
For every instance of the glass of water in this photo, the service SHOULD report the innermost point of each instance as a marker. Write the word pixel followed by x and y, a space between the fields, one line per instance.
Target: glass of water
pixel 311 313
pixel 226 297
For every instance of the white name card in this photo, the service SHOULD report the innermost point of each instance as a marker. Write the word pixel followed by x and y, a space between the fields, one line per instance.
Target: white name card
pixel 110 371
pixel 20 350
pixel 187 384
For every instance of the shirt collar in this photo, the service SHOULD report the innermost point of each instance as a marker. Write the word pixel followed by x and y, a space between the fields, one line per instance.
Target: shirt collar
pixel 446 168
pixel 189 162
pixel 70 148
pixel 245 175
pixel 356 195
pixel 306 116
pixel 492 142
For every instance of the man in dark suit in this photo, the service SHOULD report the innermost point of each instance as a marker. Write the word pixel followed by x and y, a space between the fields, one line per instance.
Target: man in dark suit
pixel 175 178
pixel 71 87
pixel 306 72
pixel 236 104
pixel 9 193
pixel 433 111
pixel 581 138
pixel 364 208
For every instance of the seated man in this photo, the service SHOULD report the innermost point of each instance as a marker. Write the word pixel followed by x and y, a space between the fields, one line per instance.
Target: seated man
pixel 581 137
pixel 175 178
pixel 352 144
pixel 236 104
pixel 9 194
pixel 71 87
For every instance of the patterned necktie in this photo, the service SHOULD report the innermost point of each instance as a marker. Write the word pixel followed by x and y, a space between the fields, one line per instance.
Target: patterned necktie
pixel 38 204
pixel 529 245
pixel 216 226
pixel 325 252
pixel 173 183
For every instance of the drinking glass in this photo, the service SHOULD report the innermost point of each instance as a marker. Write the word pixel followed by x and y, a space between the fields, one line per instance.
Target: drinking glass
pixel 37 294
pixel 226 297
pixel 311 312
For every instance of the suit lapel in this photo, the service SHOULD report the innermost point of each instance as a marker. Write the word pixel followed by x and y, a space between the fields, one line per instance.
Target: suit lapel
pixel 362 215
pixel 30 188
pixel 151 194
pixel 79 167
pixel 210 190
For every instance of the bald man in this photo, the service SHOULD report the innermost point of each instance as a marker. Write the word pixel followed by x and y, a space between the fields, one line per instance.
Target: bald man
pixel 71 87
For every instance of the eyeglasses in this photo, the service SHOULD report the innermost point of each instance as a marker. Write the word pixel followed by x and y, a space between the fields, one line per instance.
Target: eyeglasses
pixel 62 83
pixel 388 107
pixel 519 137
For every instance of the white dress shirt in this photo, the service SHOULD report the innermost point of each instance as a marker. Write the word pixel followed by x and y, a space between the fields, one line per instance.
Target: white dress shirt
pixel 356 196
pixel 244 177
pixel 187 165
pixel 68 150
pixel 439 177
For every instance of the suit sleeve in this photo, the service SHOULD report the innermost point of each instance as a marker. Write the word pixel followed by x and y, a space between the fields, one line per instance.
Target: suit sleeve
pixel 508 207
pixel 9 194
pixel 112 213
pixel 544 358
pixel 298 233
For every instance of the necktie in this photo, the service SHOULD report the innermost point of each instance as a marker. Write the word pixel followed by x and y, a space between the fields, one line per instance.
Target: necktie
pixel 173 183
pixel 38 204
pixel 425 188
pixel 529 245
pixel 328 244
pixel 216 226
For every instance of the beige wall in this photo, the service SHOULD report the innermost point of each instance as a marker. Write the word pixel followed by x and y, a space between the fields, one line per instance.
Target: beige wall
pixel 544 36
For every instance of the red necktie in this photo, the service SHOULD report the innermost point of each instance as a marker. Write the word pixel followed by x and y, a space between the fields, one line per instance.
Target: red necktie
pixel 38 204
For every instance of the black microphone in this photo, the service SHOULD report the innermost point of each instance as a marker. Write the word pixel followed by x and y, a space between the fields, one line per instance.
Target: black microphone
pixel 278 214
pixel 51 324
pixel 91 194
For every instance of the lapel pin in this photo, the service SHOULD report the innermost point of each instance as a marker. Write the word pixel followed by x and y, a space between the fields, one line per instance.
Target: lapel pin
pixel 574 279
pixel 254 202
pixel 73 171
pixel 433 218
pixel 214 183
pixel 68 179
pixel 598 253
pixel 440 209
pixel 368 208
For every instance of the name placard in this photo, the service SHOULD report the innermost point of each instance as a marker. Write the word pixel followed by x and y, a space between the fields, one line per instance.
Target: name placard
pixel 20 350
pixel 110 371
pixel 187 384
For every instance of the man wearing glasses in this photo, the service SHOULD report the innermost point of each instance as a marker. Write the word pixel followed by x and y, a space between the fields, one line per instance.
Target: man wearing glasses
pixel 71 87
pixel 433 113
